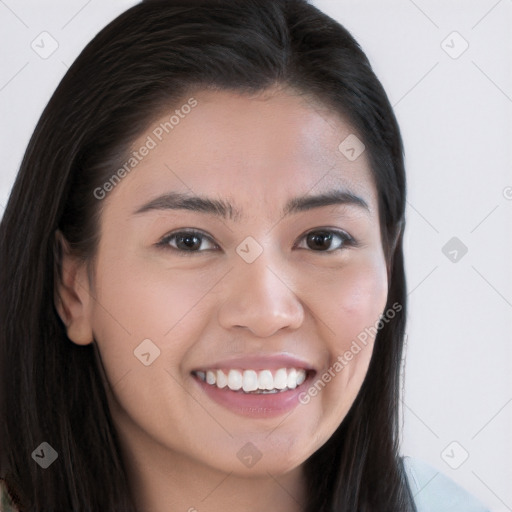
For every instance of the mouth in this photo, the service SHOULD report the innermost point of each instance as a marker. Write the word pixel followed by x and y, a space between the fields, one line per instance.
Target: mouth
pixel 258 382
pixel 255 392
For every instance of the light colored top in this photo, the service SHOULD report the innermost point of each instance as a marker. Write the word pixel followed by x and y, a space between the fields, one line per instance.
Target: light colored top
pixel 6 504
pixel 432 490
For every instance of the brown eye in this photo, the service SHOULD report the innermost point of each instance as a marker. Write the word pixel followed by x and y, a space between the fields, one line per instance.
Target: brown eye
pixel 190 241
pixel 186 241
pixel 328 240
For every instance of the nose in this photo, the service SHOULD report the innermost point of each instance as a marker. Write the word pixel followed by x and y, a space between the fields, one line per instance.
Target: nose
pixel 261 299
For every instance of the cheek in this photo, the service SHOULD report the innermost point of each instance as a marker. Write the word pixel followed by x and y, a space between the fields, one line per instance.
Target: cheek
pixel 362 298
pixel 350 307
pixel 142 316
pixel 353 300
pixel 136 302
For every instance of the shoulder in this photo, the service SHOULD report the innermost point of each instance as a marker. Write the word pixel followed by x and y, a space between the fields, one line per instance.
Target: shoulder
pixel 434 491
pixel 6 503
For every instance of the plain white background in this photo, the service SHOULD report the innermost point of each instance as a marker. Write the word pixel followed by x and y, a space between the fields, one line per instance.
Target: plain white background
pixel 447 70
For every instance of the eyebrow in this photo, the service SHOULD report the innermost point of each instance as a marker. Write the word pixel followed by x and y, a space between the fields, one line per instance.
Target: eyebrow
pixel 224 209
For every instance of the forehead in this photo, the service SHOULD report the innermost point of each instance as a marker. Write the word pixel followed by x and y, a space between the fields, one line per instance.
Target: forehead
pixel 268 146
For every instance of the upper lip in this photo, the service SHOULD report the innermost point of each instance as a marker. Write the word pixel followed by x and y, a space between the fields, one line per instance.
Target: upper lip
pixel 258 362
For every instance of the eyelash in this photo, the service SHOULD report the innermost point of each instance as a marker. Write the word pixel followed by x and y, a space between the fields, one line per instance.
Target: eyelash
pixel 347 240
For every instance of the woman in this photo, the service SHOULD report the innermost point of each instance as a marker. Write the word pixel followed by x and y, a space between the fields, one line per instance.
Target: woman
pixel 174 337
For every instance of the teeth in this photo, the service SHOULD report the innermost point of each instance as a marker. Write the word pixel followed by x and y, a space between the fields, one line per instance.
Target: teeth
pixel 251 381
pixel 280 378
pixel 235 380
pixel 265 380
pixel 292 379
pixel 222 380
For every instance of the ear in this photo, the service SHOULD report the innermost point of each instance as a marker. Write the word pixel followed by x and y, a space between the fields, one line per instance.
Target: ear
pixel 73 299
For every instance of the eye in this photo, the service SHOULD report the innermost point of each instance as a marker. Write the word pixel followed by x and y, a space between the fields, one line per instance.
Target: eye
pixel 186 241
pixel 322 240
pixel 191 240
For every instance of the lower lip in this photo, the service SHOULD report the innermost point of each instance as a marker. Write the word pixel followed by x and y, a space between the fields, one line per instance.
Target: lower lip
pixel 267 405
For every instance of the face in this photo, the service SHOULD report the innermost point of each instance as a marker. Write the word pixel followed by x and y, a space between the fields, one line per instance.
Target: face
pixel 256 294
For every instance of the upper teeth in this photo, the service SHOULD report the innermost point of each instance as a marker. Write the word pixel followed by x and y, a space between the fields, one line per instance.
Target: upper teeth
pixel 254 381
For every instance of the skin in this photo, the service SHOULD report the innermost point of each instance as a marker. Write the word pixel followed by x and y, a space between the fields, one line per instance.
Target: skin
pixel 256 151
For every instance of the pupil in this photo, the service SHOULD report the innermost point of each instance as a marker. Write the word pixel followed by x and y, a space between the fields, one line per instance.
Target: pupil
pixel 189 240
pixel 318 238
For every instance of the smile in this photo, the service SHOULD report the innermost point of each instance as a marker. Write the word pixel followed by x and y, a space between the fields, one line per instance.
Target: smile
pixel 254 381
pixel 256 385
